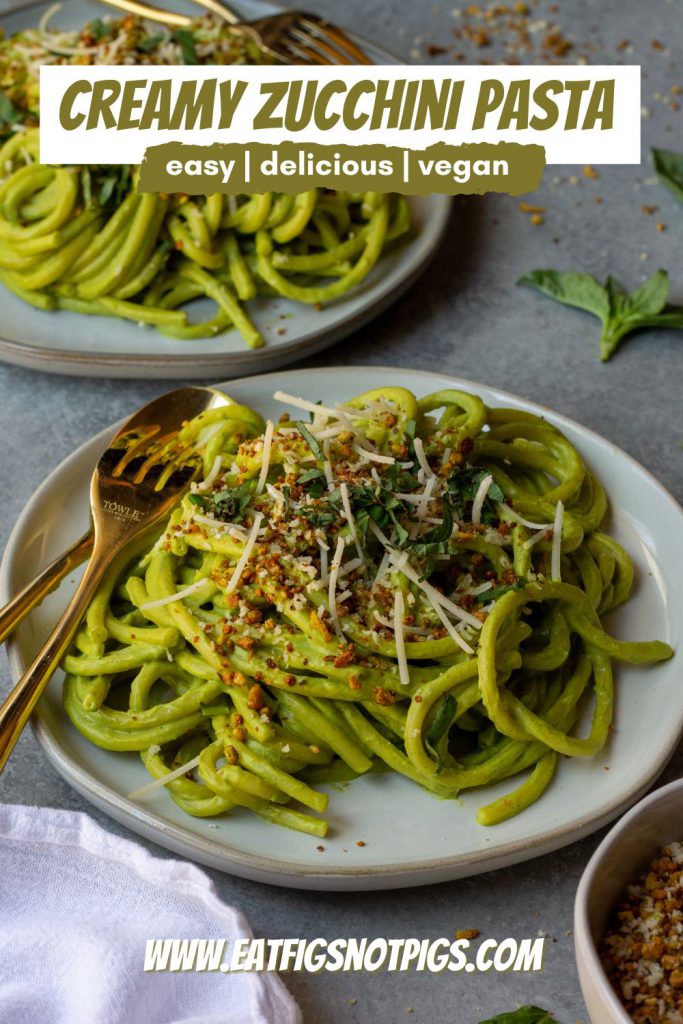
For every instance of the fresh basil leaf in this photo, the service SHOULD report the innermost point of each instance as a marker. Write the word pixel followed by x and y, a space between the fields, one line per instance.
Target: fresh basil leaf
pixel 435 542
pixel 98 29
pixel 495 592
pixel 671 316
pixel 669 168
pixel 401 534
pixel 227 505
pixel 442 720
pixel 439 728
pixel 620 312
pixel 9 114
pixel 113 184
pixel 310 440
pixel 311 474
pixel 185 40
pixel 580 290
pixel 650 298
pixel 316 482
pixel 524 1015
pixel 149 43
pixel 311 414
pixel 463 485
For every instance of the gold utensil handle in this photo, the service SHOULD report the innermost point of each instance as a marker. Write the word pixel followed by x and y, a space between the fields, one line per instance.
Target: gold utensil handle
pixel 144 10
pixel 221 10
pixel 33 593
pixel 17 708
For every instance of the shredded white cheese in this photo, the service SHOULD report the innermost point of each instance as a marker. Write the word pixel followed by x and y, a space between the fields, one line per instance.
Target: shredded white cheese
pixel 244 557
pixel 302 403
pixel 369 456
pixel 207 432
pixel 211 475
pixel 208 521
pixel 323 561
pixel 277 496
pixel 447 624
pixel 534 539
pixel 422 458
pixel 383 566
pixel 555 571
pixel 408 630
pixel 265 463
pixel 412 499
pixel 399 640
pixel 332 586
pixel 400 560
pixel 327 466
pixel 421 508
pixel 348 515
pixel 178 596
pixel 355 563
pixel 480 498
pixel 164 779
pixel 510 512
pixel 328 432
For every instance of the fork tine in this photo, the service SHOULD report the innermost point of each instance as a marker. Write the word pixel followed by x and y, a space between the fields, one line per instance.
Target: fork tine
pixel 317 45
pixel 283 56
pixel 323 29
pixel 153 453
pixel 302 53
pixel 169 462
pixel 186 472
pixel 135 449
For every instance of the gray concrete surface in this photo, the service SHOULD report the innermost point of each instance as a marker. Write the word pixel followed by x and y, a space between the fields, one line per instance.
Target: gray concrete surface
pixel 465 316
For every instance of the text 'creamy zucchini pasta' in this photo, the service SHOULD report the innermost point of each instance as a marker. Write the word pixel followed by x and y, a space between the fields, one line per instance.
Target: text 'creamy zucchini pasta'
pixel 83 239
pixel 388 585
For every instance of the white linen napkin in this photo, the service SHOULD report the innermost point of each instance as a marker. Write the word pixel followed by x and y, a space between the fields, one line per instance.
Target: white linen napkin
pixel 76 907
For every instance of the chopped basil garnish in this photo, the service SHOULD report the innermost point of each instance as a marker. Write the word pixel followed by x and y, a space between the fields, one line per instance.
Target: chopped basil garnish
pixel 440 726
pixel 463 485
pixel 310 440
pixel 495 592
pixel 227 505
pixel 185 40
pixel 149 43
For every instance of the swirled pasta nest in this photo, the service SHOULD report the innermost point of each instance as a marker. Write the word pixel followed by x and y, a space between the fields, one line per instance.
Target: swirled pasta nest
pixel 84 239
pixel 390 585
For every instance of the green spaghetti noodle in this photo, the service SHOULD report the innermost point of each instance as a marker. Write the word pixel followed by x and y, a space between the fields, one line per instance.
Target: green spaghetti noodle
pixel 391 585
pixel 84 239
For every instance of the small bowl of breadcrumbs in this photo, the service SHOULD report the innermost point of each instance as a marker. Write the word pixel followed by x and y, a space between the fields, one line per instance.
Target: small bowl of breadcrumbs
pixel 628 917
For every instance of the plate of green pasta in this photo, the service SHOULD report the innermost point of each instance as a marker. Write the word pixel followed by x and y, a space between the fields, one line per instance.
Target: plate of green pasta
pixel 94 275
pixel 386 639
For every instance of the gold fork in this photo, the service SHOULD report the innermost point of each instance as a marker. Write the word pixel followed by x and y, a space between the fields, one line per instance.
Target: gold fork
pixel 136 483
pixel 293 37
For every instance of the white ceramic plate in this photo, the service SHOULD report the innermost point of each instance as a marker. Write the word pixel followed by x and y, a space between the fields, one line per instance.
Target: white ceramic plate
pixel 62 342
pixel 411 838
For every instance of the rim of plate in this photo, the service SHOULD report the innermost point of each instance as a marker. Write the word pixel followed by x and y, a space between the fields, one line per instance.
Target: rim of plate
pixel 244 361
pixel 282 873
